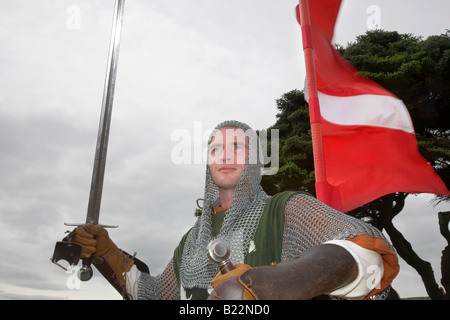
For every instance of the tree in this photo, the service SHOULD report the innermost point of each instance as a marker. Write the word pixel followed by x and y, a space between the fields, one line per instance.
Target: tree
pixel 418 72
pixel 296 170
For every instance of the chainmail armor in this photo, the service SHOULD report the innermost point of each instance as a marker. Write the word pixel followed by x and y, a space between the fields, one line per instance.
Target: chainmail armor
pixel 309 222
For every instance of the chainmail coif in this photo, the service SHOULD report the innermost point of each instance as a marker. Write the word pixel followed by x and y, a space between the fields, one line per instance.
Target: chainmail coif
pixel 240 221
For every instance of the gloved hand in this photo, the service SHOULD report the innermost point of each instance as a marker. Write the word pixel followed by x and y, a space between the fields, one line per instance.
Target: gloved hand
pixel 95 241
pixel 228 286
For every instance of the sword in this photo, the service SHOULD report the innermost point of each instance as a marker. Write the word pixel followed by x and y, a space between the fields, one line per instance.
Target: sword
pixel 67 250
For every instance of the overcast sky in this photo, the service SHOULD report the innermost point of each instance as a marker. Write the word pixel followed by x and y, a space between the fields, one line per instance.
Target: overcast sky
pixel 184 66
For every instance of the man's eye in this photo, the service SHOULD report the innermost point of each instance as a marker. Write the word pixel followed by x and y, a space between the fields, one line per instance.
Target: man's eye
pixel 215 150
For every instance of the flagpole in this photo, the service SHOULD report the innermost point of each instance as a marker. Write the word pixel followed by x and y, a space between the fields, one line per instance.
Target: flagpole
pixel 323 189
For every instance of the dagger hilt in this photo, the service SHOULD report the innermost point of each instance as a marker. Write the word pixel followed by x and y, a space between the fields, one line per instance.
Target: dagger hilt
pixel 219 252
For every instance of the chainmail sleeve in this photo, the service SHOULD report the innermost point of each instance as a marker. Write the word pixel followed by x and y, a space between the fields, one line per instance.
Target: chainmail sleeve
pixel 160 287
pixel 309 222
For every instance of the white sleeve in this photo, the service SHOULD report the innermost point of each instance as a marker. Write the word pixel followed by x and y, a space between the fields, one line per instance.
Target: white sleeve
pixel 132 282
pixel 370 271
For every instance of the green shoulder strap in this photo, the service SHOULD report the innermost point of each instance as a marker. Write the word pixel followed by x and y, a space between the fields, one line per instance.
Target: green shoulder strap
pixel 268 238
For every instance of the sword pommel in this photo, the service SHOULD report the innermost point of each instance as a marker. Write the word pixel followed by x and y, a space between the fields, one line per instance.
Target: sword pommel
pixel 219 252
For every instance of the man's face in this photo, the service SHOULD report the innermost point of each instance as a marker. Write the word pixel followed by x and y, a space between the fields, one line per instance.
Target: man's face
pixel 228 152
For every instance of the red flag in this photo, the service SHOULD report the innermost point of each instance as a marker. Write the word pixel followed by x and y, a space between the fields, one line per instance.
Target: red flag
pixel 369 143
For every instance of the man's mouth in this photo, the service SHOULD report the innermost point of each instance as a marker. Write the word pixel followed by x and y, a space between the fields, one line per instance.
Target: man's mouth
pixel 226 169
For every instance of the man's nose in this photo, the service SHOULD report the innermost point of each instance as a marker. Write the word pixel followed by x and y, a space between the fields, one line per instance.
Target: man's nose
pixel 228 155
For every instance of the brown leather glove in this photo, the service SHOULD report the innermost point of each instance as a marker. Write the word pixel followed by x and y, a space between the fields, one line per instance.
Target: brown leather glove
pixel 95 241
pixel 231 289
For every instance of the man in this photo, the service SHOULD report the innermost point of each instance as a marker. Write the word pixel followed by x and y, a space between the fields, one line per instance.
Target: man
pixel 289 246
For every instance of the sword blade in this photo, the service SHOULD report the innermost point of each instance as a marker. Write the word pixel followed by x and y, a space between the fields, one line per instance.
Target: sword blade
pixel 98 173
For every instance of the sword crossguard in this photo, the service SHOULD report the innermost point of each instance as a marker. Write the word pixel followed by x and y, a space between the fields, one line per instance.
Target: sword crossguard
pixel 82 224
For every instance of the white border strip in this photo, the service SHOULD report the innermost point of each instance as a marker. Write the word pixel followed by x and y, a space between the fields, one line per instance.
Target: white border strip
pixel 366 110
